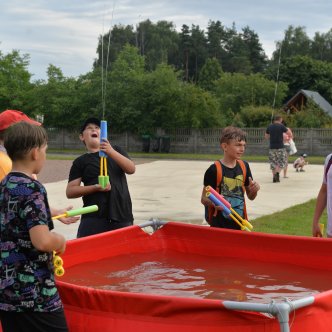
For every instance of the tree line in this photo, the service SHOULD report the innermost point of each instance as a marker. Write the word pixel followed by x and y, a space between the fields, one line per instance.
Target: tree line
pixel 151 76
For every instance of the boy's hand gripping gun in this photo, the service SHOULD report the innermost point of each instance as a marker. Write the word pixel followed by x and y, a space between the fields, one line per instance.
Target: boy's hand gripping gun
pixel 59 271
pixel 103 178
pixel 219 200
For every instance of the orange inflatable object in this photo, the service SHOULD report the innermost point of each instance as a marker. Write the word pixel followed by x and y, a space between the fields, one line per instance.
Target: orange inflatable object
pixel 5 165
pixel 99 310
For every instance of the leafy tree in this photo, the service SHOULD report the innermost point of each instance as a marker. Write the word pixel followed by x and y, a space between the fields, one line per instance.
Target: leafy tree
pixel 54 99
pixel 252 116
pixel 170 103
pixel 185 49
pixel 210 72
pixel 112 43
pixel 200 109
pixel 124 90
pixel 296 42
pixel 216 34
pixel 157 42
pixel 161 99
pixel 14 81
pixel 239 60
pixel 321 46
pixel 235 91
pixel 199 51
pixel 302 72
pixel 256 54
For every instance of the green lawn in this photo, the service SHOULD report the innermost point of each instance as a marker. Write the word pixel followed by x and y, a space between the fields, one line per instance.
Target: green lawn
pixel 296 220
pixel 71 154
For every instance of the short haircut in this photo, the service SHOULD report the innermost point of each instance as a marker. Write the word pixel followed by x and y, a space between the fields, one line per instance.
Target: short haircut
pixel 277 118
pixel 22 137
pixel 229 133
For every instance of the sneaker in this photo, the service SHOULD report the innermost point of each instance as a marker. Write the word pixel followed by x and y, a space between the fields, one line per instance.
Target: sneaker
pixel 302 170
pixel 297 170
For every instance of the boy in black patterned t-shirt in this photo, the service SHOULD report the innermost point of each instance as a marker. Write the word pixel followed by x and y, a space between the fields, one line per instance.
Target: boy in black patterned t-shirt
pixel 236 180
pixel 29 299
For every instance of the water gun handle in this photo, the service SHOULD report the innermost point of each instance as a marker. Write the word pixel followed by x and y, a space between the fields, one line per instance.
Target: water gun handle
pixel 244 222
pixel 217 202
pixel 76 212
pixel 226 210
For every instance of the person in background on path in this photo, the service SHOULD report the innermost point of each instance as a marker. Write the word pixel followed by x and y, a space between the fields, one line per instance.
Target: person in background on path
pixel 29 299
pixel 287 136
pixel 324 200
pixel 234 184
pixel 300 162
pixel 114 202
pixel 277 151
pixel 7 118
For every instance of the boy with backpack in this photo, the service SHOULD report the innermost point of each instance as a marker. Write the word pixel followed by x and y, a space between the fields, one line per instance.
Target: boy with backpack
pixel 231 177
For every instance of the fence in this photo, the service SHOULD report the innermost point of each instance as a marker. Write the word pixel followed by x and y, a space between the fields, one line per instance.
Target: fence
pixel 204 141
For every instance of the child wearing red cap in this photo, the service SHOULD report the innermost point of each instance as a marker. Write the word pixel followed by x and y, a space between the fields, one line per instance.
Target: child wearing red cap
pixel 8 118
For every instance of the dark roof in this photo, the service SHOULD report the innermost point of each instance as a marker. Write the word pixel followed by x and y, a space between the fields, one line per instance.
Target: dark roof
pixel 316 98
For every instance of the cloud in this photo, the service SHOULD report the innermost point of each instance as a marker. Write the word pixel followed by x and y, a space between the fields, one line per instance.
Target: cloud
pixel 65 33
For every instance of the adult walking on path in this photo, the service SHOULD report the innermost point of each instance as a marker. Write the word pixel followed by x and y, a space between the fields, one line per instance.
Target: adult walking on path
pixel 277 152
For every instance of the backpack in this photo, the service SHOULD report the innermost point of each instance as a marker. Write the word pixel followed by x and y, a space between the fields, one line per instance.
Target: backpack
pixel 210 211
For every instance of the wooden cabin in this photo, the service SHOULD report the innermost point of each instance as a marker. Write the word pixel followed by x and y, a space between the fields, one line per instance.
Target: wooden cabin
pixel 300 100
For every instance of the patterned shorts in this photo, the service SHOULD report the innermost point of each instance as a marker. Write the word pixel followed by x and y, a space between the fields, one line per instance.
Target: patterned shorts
pixel 277 158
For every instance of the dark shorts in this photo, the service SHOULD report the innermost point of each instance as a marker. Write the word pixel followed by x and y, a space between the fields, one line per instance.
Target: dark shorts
pixel 33 321
pixel 95 225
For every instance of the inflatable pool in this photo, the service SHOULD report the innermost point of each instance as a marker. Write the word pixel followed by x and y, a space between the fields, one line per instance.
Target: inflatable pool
pixel 93 305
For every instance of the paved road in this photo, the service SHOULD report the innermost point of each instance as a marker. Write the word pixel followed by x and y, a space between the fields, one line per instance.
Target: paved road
pixel 171 190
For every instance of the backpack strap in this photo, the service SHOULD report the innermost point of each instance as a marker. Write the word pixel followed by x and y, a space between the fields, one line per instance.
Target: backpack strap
pixel 219 175
pixel 212 212
pixel 244 172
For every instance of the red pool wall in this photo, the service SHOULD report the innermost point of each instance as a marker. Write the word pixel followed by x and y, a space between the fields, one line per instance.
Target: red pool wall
pixel 96 310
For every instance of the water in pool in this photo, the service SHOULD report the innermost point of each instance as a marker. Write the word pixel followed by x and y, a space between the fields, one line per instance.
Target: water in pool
pixel 189 275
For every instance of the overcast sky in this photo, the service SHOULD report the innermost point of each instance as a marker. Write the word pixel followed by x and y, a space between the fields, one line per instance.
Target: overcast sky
pixel 65 32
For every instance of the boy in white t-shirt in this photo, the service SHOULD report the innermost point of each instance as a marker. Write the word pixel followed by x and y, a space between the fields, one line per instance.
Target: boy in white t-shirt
pixel 324 200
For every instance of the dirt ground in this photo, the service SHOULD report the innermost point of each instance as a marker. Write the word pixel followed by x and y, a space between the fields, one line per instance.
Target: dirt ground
pixel 58 170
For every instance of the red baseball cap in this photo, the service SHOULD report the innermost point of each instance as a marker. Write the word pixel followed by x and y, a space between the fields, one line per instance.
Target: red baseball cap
pixel 8 117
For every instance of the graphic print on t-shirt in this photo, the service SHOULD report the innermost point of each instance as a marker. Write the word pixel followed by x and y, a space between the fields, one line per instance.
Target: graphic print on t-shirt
pixel 231 189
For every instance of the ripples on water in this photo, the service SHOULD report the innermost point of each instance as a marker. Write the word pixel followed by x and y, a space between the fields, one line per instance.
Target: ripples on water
pixel 188 275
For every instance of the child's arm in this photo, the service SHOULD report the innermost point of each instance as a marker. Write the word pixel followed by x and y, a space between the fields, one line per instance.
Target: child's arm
pixel 65 220
pixel 46 241
pixel 320 206
pixel 75 190
pixel 204 200
pixel 252 189
pixel 127 165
